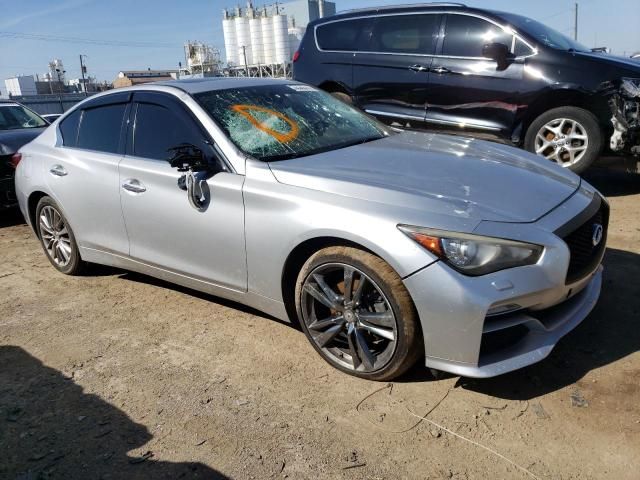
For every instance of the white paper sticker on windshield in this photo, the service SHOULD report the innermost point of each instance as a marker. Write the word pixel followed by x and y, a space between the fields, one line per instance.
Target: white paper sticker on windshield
pixel 302 88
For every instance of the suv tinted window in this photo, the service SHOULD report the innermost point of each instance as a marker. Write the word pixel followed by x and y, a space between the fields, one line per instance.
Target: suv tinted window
pixel 100 128
pixel 158 129
pixel 465 36
pixel 341 35
pixel 522 49
pixel 69 129
pixel 405 34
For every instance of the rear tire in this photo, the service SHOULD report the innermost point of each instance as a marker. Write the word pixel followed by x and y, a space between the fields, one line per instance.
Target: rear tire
pixel 569 136
pixel 57 239
pixel 343 97
pixel 370 330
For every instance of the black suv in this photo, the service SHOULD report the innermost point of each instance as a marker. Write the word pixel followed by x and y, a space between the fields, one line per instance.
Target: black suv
pixel 490 74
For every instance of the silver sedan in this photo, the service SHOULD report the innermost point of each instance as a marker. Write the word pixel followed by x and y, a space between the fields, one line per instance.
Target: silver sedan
pixel 385 246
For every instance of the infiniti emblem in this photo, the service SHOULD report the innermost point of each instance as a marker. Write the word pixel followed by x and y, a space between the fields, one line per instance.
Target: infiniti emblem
pixel 596 237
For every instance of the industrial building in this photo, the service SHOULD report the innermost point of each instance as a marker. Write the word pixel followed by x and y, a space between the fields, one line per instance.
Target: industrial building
pixel 128 78
pixel 261 42
pixel 20 85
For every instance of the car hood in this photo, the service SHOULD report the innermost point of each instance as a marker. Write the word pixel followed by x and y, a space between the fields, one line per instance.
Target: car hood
pixel 12 140
pixel 629 64
pixel 443 174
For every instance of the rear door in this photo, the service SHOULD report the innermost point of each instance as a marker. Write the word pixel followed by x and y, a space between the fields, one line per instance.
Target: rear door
pixel 165 230
pixel 391 73
pixel 83 174
pixel 470 91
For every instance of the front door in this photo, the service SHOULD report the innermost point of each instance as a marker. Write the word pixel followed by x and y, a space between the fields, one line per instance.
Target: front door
pixel 472 92
pixel 165 229
pixel 391 72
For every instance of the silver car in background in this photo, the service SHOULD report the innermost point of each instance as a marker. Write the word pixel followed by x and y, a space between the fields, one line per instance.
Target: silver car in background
pixel 385 246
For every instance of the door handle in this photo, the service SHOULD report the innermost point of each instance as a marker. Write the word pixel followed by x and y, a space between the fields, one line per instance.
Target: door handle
pixel 440 70
pixel 58 171
pixel 418 68
pixel 134 186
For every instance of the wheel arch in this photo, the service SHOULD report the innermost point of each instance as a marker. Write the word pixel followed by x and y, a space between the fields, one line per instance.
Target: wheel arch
pixel 296 259
pixel 333 86
pixel 566 96
pixel 32 205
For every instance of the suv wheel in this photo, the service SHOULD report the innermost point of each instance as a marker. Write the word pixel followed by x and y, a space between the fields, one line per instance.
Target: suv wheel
pixel 569 136
pixel 357 314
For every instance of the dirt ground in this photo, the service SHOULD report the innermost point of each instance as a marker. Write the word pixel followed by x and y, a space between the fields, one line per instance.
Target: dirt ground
pixel 116 375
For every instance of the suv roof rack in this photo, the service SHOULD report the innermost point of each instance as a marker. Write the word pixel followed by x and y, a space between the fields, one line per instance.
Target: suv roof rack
pixel 405 5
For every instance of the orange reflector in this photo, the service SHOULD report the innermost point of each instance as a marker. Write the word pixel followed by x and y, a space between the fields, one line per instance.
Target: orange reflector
pixel 430 243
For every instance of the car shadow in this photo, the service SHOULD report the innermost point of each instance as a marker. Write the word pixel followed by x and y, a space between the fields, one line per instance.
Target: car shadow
pixel 140 278
pixel 613 182
pixel 11 217
pixel 611 332
pixel 50 428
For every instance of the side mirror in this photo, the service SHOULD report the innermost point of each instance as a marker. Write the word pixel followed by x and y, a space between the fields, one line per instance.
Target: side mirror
pixel 497 52
pixel 186 157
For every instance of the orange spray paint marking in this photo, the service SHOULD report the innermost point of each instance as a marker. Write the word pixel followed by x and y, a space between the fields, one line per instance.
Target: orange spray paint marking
pixel 245 111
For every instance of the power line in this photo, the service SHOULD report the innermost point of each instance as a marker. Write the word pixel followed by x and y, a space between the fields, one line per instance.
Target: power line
pixel 86 41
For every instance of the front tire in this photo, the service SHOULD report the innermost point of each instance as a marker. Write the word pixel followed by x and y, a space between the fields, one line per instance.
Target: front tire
pixel 57 239
pixel 357 314
pixel 569 136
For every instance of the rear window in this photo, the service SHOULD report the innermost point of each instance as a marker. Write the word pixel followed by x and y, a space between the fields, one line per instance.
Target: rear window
pixel 342 36
pixel 69 129
pixel 100 128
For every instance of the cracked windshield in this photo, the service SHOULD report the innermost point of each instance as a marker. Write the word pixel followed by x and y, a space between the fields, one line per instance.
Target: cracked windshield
pixel 277 122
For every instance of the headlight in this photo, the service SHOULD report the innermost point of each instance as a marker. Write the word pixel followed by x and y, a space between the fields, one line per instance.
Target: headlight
pixel 473 254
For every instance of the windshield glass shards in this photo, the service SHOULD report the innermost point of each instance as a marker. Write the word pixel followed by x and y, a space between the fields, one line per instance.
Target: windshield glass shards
pixel 277 122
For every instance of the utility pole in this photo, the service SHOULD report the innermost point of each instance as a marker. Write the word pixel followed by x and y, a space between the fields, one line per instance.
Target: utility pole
pixel 575 25
pixel 82 69
pixel 244 54
pixel 60 88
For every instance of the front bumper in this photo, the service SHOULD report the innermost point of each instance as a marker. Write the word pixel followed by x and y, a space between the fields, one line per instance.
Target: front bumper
pixel 543 331
pixel 492 324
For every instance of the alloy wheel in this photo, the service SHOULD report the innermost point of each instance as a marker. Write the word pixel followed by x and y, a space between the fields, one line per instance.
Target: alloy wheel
pixel 348 317
pixel 55 236
pixel 562 140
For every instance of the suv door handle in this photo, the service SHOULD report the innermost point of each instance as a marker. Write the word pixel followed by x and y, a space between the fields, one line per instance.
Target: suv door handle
pixel 440 70
pixel 418 68
pixel 58 171
pixel 134 186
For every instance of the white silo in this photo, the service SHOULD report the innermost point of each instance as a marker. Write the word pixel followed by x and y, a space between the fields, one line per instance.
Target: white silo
pixel 230 43
pixel 268 45
pixel 257 49
pixel 243 40
pixel 295 37
pixel 281 38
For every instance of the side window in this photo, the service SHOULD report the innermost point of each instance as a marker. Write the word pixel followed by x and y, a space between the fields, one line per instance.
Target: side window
pixel 157 129
pixel 405 34
pixel 343 35
pixel 465 36
pixel 100 128
pixel 69 129
pixel 522 49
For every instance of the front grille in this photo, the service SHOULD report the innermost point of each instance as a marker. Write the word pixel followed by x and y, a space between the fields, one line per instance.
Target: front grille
pixel 585 257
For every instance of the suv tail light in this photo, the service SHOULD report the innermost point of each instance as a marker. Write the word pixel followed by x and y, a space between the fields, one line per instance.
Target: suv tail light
pixel 15 160
pixel 296 56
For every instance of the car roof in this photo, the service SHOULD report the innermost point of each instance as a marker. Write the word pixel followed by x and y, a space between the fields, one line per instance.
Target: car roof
pixel 199 85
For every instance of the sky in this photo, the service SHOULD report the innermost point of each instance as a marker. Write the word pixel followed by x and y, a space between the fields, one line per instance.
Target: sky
pixel 144 34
